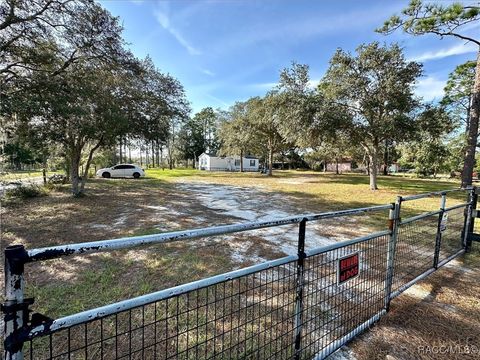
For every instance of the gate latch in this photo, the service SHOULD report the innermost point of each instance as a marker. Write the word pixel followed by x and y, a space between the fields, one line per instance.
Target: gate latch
pixel 10 308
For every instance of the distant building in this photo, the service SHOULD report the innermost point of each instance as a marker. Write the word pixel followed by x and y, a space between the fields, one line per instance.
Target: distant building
pixel 211 162
pixel 344 165
pixel 394 168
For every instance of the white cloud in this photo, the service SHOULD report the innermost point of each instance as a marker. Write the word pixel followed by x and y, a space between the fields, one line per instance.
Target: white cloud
pixel 312 84
pixel 208 72
pixel 294 29
pixel 458 49
pixel 164 21
pixel 264 86
pixel 430 88
pixel 220 101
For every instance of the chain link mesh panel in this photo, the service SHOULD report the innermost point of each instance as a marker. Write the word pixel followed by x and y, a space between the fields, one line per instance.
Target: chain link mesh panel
pixel 452 240
pixel 254 316
pixel 415 249
pixel 331 310
pixel 247 317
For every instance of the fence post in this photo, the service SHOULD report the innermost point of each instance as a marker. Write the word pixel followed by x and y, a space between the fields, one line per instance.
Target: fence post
pixel 300 282
pixel 14 309
pixel 470 219
pixel 438 238
pixel 394 222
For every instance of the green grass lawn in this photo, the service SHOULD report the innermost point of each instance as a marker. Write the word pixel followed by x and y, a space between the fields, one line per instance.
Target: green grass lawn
pixel 17 175
pixel 65 286
pixel 330 191
pixel 25 174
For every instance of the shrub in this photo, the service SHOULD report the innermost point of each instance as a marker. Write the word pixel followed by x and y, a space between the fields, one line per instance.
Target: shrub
pixel 25 191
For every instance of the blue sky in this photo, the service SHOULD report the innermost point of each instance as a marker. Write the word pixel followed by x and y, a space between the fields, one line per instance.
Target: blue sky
pixel 224 51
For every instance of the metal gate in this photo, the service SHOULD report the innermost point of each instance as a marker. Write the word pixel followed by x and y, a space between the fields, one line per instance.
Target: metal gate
pixel 297 307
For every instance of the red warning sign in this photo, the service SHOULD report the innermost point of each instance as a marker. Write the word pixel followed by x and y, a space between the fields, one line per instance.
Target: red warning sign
pixel 348 268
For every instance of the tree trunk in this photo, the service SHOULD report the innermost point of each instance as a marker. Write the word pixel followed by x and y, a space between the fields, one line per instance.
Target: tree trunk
pixel 153 154
pixel 74 165
pixel 146 156
pixel 385 159
pixel 241 160
pixel 161 157
pixel 336 166
pixel 325 165
pixel 469 160
pixel 120 155
pixel 125 149
pixel 87 166
pixel 373 167
pixel 467 125
pixel 270 161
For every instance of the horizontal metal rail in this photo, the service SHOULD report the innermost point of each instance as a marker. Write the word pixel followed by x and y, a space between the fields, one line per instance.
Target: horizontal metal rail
pixel 103 311
pixel 346 243
pixel 451 257
pixel 434 193
pixel 405 286
pixel 457 206
pixel 34 329
pixel 334 346
pixel 431 213
pixel 419 217
pixel 53 252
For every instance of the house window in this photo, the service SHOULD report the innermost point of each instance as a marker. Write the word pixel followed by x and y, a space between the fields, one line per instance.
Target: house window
pixel 252 162
pixel 237 162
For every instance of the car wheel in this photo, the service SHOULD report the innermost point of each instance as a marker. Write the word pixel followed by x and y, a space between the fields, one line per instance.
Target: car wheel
pixel 106 175
pixel 136 175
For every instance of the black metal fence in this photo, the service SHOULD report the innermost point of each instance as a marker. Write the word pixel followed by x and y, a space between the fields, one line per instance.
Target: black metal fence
pixel 297 307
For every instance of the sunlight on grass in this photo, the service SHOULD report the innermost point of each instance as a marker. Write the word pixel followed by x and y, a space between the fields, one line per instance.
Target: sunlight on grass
pixel 16 175
pixel 332 192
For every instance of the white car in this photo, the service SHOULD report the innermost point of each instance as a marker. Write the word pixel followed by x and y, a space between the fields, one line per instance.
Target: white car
pixel 121 171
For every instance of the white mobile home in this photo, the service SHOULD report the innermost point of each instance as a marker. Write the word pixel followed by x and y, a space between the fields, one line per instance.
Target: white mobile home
pixel 210 162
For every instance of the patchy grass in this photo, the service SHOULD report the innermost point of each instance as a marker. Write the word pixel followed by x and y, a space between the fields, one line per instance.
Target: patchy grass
pixel 23 192
pixel 325 191
pixel 18 175
pixel 439 318
pixel 124 207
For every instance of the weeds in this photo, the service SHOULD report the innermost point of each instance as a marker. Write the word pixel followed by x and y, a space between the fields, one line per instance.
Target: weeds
pixel 24 192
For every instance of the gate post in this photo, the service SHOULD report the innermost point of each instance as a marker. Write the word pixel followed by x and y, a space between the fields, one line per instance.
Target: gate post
pixel 300 282
pixel 438 238
pixel 394 222
pixel 14 309
pixel 470 219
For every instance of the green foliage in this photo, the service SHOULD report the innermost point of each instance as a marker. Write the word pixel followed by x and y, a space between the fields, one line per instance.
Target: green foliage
pixel 191 142
pixel 374 91
pixel 459 92
pixel 207 121
pixel 24 191
pixel 237 133
pixel 71 83
pixel 428 151
pixel 444 20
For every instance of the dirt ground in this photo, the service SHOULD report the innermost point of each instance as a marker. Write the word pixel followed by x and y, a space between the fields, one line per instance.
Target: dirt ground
pixel 446 306
pixel 438 318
